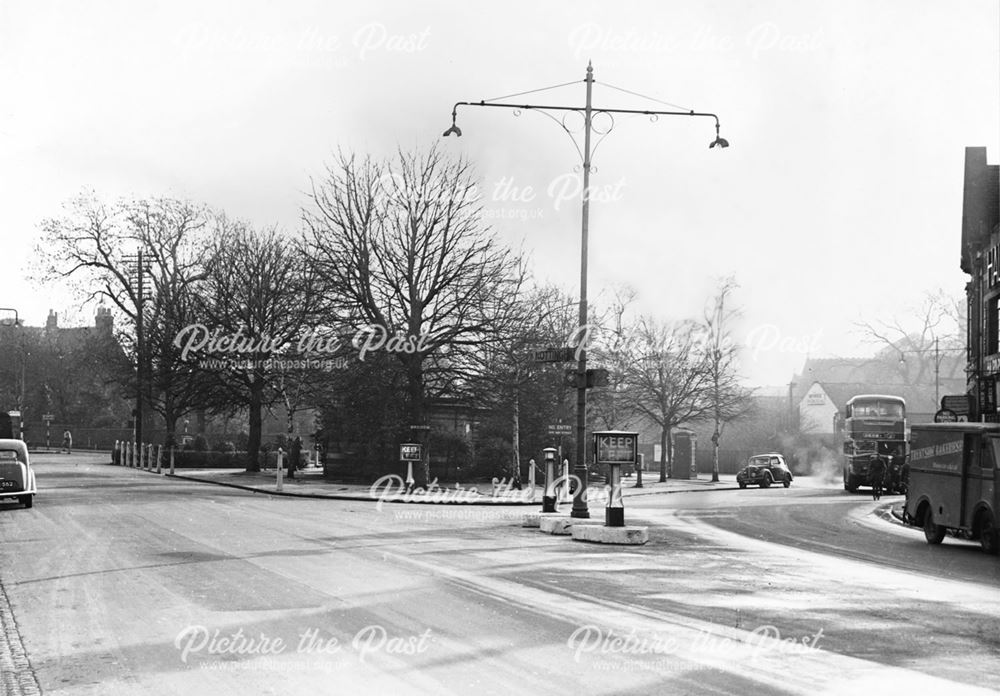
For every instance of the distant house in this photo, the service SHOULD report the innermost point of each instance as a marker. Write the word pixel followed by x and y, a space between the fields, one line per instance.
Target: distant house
pixel 71 374
pixel 825 385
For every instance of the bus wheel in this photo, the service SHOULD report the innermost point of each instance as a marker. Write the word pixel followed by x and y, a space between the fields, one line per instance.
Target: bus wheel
pixel 933 532
pixel 988 537
pixel 852 483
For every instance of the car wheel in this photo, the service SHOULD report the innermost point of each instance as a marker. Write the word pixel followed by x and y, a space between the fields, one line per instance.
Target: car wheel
pixel 743 484
pixel 765 482
pixel 933 532
pixel 27 500
pixel 988 536
pixel 788 480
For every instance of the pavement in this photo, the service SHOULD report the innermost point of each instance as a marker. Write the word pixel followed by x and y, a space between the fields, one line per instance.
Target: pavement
pixel 309 483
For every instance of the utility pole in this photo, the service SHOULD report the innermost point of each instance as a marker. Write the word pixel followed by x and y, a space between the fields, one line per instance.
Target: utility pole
pixel 140 297
pixel 937 371
pixel 139 340
pixel 587 111
pixel 580 509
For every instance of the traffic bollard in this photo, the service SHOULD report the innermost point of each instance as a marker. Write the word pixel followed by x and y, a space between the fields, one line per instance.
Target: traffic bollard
pixel 549 497
pixel 281 464
pixel 614 513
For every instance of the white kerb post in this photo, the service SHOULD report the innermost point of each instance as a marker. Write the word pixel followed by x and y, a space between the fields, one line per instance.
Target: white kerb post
pixel 281 463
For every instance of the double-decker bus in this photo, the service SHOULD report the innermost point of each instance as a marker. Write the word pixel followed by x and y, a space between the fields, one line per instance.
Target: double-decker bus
pixel 875 424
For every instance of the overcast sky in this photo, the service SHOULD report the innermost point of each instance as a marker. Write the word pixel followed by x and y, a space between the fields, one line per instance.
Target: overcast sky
pixel 839 199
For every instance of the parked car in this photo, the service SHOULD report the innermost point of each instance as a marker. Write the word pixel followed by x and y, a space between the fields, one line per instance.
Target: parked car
pixel 763 470
pixel 17 480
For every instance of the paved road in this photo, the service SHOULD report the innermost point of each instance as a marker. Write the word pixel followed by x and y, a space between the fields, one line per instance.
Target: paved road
pixel 876 587
pixel 121 582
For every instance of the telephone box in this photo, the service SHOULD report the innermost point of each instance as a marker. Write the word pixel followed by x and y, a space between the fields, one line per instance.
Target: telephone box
pixel 685 451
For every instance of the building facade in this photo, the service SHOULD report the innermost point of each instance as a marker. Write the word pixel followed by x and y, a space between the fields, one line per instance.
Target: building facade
pixel 981 260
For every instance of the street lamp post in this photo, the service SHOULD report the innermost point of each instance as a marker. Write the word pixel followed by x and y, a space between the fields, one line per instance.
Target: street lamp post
pixel 580 509
pixel 937 365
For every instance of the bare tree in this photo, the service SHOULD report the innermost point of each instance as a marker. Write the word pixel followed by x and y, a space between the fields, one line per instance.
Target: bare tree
pixel 511 379
pixel 668 378
pixel 401 253
pixel 259 295
pixel 90 246
pixel 925 341
pixel 612 347
pixel 728 398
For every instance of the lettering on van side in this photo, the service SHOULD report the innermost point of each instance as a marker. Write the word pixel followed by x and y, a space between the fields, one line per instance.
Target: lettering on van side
pixel 941 450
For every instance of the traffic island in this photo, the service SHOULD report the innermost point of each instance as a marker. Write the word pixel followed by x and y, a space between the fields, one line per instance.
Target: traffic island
pixel 633 536
pixel 534 519
pixel 563 526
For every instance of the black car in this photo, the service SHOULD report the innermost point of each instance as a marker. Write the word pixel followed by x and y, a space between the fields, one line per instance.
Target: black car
pixel 763 470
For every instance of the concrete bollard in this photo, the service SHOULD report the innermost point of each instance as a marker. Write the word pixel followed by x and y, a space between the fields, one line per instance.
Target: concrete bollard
pixel 550 497
pixel 564 486
pixel 159 456
pixel 280 467
pixel 131 455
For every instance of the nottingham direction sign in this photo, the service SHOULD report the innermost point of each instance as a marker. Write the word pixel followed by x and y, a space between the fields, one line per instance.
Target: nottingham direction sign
pixel 555 355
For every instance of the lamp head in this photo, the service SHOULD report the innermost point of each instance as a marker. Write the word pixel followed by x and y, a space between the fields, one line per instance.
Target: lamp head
pixel 454 129
pixel 719 141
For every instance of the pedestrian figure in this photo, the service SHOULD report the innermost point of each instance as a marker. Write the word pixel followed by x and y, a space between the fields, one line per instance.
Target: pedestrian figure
pixel 876 476
pixel 68 442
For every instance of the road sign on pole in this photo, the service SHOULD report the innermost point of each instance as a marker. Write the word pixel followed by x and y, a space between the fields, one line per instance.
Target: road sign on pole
pixel 564 354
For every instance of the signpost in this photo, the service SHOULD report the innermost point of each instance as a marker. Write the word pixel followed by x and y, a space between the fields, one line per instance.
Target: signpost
pixel 420 433
pixel 945 415
pixel 614 448
pixel 48 418
pixel 959 404
pixel 560 430
pixel 410 452
pixel 564 354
